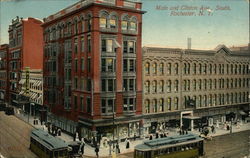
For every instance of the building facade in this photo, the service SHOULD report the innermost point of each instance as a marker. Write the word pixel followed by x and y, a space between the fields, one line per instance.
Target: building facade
pixel 92 68
pixel 194 87
pixel 4 77
pixel 25 50
pixel 32 90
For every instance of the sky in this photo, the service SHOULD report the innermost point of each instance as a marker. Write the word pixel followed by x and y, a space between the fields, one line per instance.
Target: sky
pixel 165 22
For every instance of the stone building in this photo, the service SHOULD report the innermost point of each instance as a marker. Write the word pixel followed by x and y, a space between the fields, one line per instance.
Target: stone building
pixel 92 68
pixel 191 88
pixel 4 75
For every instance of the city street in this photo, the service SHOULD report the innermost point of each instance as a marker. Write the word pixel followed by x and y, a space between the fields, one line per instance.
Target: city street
pixel 14 141
pixel 14 137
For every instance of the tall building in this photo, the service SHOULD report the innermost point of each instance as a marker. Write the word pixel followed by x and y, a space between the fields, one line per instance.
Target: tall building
pixel 25 50
pixel 92 68
pixel 4 77
pixel 194 87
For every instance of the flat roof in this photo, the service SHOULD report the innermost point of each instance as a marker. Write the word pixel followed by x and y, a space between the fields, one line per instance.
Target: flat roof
pixel 49 141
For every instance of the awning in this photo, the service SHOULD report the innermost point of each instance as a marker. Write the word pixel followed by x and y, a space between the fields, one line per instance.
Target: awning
pixel 116 44
pixel 39 83
pixel 242 112
pixel 36 83
pixel 22 81
pixel 21 92
pixel 191 117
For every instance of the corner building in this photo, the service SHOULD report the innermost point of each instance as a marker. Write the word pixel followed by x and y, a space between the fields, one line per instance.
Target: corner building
pixel 92 68
pixel 194 88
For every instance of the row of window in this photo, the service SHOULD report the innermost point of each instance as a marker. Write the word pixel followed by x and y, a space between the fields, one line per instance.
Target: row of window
pixel 161 105
pixel 196 68
pixel 106 21
pixel 197 84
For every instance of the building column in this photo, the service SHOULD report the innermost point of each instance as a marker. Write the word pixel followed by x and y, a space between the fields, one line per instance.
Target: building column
pixel 192 124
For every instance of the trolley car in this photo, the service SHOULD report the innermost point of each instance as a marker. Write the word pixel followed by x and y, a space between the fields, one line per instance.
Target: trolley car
pixel 181 146
pixel 45 145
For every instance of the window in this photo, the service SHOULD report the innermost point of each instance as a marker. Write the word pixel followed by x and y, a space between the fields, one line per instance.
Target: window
pixel 125 23
pixel 76 83
pixel 154 87
pixel 82 44
pixel 107 45
pixel 194 84
pixel 89 85
pixel 76 26
pixel 210 68
pixel 215 69
pixel 112 22
pixel 89 43
pixel 176 103
pixel 147 87
pixel 169 68
pixel 107 106
pixel 103 21
pixel 154 105
pixel 194 68
pixel 169 104
pixel 199 84
pixel 147 106
pixel 169 86
pixel 200 69
pixel 215 83
pixel 147 68
pixel 129 84
pixel 128 104
pixel 89 22
pixel 161 86
pixel 75 102
pixel 82 64
pixel 108 64
pixel 176 68
pixel 176 85
pixel 161 68
pixel 205 84
pixel 108 85
pixel 154 68
pixel 161 105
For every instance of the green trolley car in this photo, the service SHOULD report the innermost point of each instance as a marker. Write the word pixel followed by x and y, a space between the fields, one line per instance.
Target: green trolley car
pixel 181 146
pixel 45 145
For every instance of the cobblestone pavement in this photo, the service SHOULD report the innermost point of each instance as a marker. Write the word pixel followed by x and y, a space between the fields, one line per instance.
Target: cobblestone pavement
pixel 14 137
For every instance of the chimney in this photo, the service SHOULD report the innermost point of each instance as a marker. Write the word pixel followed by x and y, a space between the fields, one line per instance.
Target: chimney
pixel 189 43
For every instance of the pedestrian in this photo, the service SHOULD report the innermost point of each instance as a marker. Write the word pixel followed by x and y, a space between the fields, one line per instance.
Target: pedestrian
pixel 97 151
pixel 150 137
pixel 186 132
pixel 134 136
pixel 212 128
pixel 180 132
pixel 82 148
pixel 127 143
pixel 117 148
pixel 157 135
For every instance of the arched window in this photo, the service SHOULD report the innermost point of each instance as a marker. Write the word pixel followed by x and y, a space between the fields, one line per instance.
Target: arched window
pixel 169 68
pixel 188 68
pixel 154 87
pixel 147 68
pixel 125 23
pixel 210 100
pixel 240 69
pixel 82 23
pixel 205 84
pixel 169 104
pixel 161 86
pixel 195 100
pixel 188 85
pixel 236 98
pixel 147 87
pixel 89 22
pixel 161 68
pixel 240 83
pixel 133 24
pixel 176 68
pixel 154 68
pixel 232 83
pixel 200 69
pixel 194 68
pixel 147 106
pixel 236 69
pixel 185 85
pixel 169 86
pixel 154 105
pixel 232 98
pixel 215 83
pixel 205 68
pixel 194 84
pixel 227 83
pixel 161 105
pixel 176 85
pixel 236 83
pixel 103 21
pixel 219 68
pixel 199 101
pixel 199 84
pixel 227 99
pixel 176 103
pixel 232 69
pixel 205 100
pixel 227 69
pixel 215 100
pixel 210 68
pixel 185 68
pixel 112 21
pixel 76 25
pixel 210 83
pixel 215 69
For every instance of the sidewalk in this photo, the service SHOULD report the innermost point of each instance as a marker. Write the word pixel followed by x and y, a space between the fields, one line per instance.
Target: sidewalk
pixel 107 152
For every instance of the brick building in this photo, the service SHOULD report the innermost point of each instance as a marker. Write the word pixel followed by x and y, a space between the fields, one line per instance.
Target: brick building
pixel 25 50
pixel 4 77
pixel 194 86
pixel 92 68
